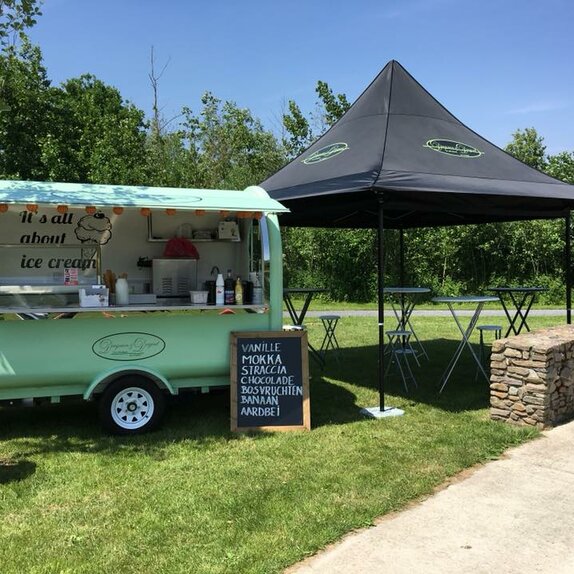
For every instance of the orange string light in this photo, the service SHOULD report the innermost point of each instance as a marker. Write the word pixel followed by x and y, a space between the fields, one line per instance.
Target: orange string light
pixel 62 209
pixel 118 210
pixel 200 212
pixel 170 211
pixel 3 207
pixel 32 207
pixel 145 211
pixel 90 210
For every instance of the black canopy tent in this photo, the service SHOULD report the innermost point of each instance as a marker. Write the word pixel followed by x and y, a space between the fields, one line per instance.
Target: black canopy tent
pixel 398 159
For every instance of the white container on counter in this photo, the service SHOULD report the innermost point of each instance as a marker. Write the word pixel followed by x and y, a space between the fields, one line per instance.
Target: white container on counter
pixel 198 297
pixel 122 291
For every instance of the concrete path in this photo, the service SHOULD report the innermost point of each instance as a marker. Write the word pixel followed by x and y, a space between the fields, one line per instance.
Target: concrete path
pixel 512 515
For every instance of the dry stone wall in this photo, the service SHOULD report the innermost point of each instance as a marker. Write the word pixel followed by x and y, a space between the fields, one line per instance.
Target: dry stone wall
pixel 532 377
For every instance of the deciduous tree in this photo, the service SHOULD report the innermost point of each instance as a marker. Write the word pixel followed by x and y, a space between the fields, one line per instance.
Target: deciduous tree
pixel 100 136
pixel 16 16
pixel 25 93
pixel 227 147
pixel 528 147
pixel 561 166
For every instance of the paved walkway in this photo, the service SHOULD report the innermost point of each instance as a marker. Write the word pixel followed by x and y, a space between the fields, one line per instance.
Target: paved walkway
pixel 509 516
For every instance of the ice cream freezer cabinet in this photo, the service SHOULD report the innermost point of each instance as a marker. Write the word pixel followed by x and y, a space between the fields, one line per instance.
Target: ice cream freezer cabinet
pixel 63 331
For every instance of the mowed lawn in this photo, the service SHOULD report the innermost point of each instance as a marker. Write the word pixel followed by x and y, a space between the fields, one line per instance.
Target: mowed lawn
pixel 195 498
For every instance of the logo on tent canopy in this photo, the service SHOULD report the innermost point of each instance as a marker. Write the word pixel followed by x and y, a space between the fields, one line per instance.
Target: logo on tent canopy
pixel 325 153
pixel 450 147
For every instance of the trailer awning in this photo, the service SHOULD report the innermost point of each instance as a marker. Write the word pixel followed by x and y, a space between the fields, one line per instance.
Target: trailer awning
pixel 252 199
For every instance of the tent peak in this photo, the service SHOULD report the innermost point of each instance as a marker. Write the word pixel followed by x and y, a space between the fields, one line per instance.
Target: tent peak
pixel 398 140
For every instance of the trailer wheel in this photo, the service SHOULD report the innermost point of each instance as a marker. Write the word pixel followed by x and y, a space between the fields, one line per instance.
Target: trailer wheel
pixel 131 405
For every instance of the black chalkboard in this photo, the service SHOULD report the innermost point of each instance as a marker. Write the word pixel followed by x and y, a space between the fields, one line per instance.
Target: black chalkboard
pixel 269 381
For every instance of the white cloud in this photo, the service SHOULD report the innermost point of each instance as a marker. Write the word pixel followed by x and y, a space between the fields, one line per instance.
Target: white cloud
pixel 536 107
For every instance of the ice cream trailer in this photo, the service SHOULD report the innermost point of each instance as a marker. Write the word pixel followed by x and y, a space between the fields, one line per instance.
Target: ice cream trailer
pixel 112 292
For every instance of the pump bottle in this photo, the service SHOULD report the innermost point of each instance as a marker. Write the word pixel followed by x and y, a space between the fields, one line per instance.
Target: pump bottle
pixel 219 289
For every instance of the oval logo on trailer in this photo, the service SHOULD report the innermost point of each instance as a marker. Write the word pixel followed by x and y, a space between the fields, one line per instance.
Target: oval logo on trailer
pixel 326 153
pixel 450 147
pixel 128 346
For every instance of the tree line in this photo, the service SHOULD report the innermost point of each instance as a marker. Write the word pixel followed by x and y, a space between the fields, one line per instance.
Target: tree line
pixel 85 131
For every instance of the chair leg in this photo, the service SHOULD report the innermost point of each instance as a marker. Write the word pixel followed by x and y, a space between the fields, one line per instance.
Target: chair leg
pixel 330 339
pixel 408 365
pixel 402 374
pixel 480 355
pixel 401 359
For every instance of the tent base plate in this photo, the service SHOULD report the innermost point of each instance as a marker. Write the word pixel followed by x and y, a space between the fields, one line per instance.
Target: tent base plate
pixel 376 413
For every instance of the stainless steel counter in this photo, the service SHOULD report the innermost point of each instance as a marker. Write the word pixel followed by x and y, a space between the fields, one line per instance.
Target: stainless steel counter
pixel 159 306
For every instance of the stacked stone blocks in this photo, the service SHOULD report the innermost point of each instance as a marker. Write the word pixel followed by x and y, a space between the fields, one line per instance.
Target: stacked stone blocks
pixel 532 377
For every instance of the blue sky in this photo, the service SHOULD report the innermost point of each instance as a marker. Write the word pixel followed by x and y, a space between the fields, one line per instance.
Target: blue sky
pixel 497 65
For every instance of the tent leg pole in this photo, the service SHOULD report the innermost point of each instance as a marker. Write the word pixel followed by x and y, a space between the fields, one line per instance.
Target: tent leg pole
pixel 381 411
pixel 402 257
pixel 568 257
pixel 381 286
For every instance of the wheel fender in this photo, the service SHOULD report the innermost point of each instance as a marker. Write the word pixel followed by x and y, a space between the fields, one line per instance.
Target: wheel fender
pixel 104 379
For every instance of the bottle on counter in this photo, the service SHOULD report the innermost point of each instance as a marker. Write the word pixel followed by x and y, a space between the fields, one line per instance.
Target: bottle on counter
pixel 219 290
pixel 257 290
pixel 238 292
pixel 229 289
pixel 122 290
pixel 210 288
pixel 247 292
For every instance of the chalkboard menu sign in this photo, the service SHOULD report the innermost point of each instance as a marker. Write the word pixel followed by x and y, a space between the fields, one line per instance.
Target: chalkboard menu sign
pixel 270 381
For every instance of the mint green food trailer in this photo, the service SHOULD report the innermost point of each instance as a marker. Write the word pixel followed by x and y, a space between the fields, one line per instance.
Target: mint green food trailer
pixel 66 331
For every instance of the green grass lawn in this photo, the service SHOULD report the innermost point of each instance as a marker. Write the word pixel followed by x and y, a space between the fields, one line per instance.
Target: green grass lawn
pixel 192 497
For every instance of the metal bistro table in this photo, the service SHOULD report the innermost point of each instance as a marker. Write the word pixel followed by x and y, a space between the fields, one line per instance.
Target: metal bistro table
pixel 521 298
pixel 479 301
pixel 403 301
pixel 299 316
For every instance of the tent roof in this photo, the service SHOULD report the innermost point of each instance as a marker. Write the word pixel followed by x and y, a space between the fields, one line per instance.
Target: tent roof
pixel 398 144
pixel 82 194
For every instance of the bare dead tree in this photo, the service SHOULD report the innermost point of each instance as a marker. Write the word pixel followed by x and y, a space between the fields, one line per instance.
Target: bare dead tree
pixel 158 123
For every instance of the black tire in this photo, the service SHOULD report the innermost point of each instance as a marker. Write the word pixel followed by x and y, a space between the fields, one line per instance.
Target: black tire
pixel 131 405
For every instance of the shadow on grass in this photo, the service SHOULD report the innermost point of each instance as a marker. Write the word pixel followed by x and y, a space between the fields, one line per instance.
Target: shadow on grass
pixel 464 391
pixel 12 470
pixel 204 419
pixel 73 426
pixel 197 419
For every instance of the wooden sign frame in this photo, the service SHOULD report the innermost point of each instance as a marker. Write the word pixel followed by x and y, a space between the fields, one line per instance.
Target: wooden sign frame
pixel 235 395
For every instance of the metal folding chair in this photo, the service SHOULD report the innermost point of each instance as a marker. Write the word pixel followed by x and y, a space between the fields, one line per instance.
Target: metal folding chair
pixel 401 349
pixel 330 339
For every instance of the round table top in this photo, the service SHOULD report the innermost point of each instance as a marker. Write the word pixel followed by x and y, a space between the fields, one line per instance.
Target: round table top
pixel 406 290
pixel 517 289
pixel 466 299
